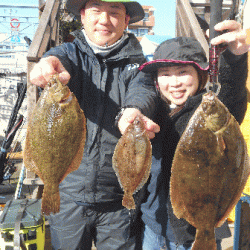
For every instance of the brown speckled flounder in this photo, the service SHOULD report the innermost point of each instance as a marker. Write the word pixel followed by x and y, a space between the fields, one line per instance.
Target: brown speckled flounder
pixel 132 160
pixel 210 169
pixel 55 140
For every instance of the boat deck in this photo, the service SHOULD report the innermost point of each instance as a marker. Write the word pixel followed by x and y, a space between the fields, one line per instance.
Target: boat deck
pixel 227 244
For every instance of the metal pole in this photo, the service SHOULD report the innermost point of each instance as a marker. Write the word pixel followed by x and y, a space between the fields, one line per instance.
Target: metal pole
pixel 237 225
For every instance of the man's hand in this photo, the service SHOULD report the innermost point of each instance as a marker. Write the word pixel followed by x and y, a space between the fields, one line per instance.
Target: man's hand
pixel 42 71
pixel 129 116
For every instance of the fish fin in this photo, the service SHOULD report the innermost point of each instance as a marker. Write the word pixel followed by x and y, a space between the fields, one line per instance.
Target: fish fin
pixel 177 202
pixel 233 203
pixel 205 240
pixel 146 166
pixel 128 201
pixel 50 200
pixel 145 176
pixel 221 143
pixel 78 157
pixel 28 159
pixel 178 210
pixel 236 197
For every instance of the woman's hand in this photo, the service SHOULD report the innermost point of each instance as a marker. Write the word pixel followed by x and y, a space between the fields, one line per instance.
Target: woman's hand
pixel 235 37
pixel 129 116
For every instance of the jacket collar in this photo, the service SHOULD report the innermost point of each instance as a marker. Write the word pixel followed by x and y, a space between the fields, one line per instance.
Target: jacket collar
pixel 131 48
pixel 191 103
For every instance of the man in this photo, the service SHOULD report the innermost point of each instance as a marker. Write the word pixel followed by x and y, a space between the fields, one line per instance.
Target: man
pixel 101 68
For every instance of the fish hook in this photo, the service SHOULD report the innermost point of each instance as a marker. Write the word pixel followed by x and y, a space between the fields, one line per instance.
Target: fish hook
pixel 215 87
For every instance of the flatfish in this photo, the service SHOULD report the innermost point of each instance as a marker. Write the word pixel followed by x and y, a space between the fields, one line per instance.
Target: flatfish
pixel 55 140
pixel 209 171
pixel 132 160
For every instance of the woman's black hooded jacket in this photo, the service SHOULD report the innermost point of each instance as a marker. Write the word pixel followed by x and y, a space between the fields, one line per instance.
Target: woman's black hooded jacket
pixel 157 211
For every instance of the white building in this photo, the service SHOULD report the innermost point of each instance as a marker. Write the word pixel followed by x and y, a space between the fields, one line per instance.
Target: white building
pixel 13 56
pixel 18 25
pixel 150 42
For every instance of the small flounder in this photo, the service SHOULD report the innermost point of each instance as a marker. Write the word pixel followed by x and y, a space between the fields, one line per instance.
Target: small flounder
pixel 132 160
pixel 55 140
pixel 209 171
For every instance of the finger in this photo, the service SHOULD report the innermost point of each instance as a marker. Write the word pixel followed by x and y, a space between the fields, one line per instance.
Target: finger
pixel 230 37
pixel 122 124
pixel 232 28
pixel 36 76
pixel 231 25
pixel 225 38
pixel 151 135
pixel 127 118
pixel 63 74
pixel 150 125
pixel 49 67
pixel 130 114
pixel 236 42
pixel 130 117
pixel 64 77
pixel 46 68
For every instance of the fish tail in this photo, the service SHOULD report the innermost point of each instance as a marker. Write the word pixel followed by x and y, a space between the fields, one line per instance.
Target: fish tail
pixel 50 200
pixel 204 240
pixel 128 201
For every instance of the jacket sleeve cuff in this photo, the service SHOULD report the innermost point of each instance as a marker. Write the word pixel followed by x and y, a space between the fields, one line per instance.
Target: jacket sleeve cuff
pixel 232 58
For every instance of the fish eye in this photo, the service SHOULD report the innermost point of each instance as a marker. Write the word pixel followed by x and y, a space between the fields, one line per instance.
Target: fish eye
pixel 136 122
pixel 205 106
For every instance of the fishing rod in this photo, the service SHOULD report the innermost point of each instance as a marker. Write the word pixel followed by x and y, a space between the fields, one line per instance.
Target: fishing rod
pixel 22 88
pixel 13 125
pixel 4 148
pixel 216 50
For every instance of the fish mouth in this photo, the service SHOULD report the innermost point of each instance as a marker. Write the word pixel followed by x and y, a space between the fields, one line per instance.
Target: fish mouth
pixel 209 96
pixel 66 99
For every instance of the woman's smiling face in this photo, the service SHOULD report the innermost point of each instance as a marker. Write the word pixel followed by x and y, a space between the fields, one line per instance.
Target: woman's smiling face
pixel 177 83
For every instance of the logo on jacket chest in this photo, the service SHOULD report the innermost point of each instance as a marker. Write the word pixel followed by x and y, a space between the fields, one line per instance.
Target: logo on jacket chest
pixel 133 66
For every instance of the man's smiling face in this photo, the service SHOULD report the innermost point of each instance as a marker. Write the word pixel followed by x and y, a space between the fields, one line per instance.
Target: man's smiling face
pixel 104 22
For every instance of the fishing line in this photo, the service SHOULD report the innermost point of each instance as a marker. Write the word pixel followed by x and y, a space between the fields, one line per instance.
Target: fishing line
pixel 20 183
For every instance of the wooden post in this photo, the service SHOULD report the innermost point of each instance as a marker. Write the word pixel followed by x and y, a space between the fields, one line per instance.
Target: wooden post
pixel 187 23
